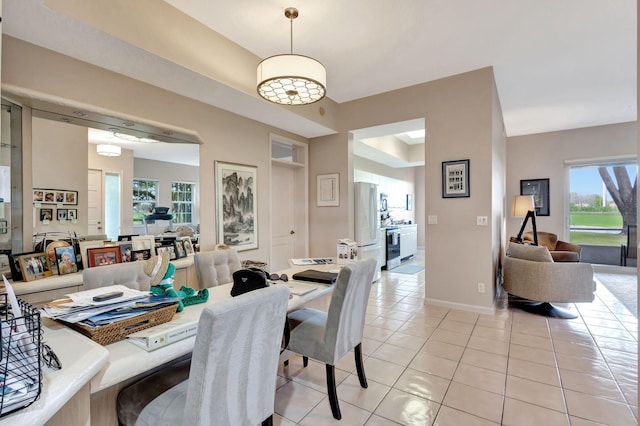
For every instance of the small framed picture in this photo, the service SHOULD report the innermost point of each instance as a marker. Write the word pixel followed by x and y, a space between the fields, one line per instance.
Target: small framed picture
pixel 66 260
pixel 144 242
pixel 455 179
pixel 49 197
pixel 126 249
pixel 539 188
pixel 101 256
pixel 127 237
pixel 162 249
pixel 138 255
pixel 188 246
pixel 179 248
pixel 86 245
pixel 62 214
pixel 38 196
pixel 71 198
pixel 72 214
pixel 328 190
pixel 34 266
pixel 46 215
pixel 14 265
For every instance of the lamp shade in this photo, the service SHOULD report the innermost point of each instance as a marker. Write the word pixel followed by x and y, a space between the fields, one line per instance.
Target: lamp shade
pixel 291 79
pixel 108 150
pixel 521 205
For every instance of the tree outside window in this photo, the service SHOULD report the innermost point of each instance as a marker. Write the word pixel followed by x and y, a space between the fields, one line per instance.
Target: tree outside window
pixel 145 199
pixel 182 198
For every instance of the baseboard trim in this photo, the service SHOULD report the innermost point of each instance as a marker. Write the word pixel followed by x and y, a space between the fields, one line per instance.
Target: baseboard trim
pixel 461 306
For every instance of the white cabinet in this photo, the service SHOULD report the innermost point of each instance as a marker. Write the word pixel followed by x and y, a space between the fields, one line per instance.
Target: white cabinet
pixel 408 241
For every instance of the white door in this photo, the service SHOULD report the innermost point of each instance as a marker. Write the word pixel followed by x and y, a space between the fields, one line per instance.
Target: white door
pixel 283 233
pixel 94 203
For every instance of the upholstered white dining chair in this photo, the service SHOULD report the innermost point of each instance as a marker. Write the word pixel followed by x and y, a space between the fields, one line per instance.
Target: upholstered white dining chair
pixel 328 336
pixel 232 379
pixel 216 267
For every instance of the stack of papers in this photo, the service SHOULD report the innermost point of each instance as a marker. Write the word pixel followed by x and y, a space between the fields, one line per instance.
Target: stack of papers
pixel 312 261
pixel 80 307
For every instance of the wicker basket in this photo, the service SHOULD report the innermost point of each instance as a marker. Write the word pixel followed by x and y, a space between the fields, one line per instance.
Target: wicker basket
pixel 117 331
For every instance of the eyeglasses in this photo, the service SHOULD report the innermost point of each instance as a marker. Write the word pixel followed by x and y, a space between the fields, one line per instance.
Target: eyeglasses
pixel 276 277
pixel 50 358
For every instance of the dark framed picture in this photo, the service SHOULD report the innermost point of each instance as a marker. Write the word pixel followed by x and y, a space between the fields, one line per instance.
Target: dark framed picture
pixel 34 266
pixel 179 247
pixel 101 256
pixel 126 250
pixel 72 214
pixel 66 260
pixel 62 214
pixel 539 188
pixel 14 265
pixel 237 205
pixel 162 249
pixel 46 214
pixel 409 205
pixel 137 255
pixel 455 179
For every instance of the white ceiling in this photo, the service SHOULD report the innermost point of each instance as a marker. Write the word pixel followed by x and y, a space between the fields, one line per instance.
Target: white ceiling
pixel 558 64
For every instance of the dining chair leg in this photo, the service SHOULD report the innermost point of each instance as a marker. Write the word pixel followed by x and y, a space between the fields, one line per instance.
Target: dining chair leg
pixel 331 390
pixel 268 421
pixel 305 361
pixel 359 366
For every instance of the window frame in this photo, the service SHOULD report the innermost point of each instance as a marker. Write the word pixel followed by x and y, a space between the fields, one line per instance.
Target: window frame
pixel 179 215
pixel 147 201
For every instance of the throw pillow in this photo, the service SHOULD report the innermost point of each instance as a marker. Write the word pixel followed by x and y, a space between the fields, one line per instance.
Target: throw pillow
pixel 533 253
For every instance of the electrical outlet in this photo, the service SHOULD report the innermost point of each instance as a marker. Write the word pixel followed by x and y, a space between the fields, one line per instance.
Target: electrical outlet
pixel 482 220
pixel 480 287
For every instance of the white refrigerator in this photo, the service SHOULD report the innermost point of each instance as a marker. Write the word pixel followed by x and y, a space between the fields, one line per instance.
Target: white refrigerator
pixel 367 223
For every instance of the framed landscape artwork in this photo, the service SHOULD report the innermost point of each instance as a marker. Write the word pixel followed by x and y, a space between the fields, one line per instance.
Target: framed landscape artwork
pixel 539 188
pixel 236 205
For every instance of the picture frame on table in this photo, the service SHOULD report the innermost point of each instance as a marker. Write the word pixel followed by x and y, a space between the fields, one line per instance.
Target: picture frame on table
pixel 188 246
pixel 34 266
pixel 539 188
pixel 127 237
pixel 66 260
pixel 140 255
pixel 328 190
pixel 14 265
pixel 237 205
pixel 455 179
pixel 102 256
pixel 84 246
pixel 126 249
pixel 144 242
pixel 179 249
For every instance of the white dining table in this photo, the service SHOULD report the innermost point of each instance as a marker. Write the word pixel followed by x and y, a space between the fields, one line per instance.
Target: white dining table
pixel 84 391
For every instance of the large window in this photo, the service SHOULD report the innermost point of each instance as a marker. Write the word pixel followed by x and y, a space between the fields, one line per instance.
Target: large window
pixel 602 203
pixel 145 198
pixel 182 197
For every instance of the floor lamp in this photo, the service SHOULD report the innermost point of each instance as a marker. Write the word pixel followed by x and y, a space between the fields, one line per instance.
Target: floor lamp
pixel 523 206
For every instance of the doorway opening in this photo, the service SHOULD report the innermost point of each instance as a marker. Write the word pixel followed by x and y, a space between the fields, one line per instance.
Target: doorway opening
pixel 112 197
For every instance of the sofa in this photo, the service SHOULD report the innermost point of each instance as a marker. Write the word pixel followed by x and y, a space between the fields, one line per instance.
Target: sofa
pixel 531 274
pixel 561 251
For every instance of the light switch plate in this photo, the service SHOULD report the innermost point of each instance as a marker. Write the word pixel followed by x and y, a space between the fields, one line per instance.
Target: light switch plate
pixel 432 220
pixel 482 221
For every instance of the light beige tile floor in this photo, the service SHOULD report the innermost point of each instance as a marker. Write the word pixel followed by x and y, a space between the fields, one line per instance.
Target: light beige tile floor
pixel 428 365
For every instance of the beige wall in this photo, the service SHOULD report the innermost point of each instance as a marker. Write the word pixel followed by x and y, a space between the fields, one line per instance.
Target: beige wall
pixel 458 113
pixel 225 136
pixel 59 162
pixel 545 155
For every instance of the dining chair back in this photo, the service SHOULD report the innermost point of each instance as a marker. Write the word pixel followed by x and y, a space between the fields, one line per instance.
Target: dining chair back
pixel 216 267
pixel 232 379
pixel 328 336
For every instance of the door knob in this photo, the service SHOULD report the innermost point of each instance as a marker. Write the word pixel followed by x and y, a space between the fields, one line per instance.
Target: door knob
pixel 292 232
